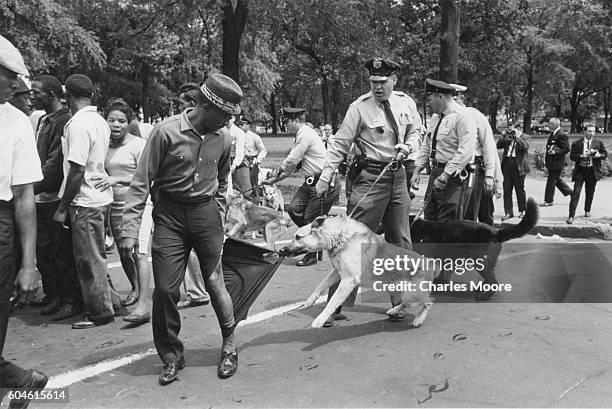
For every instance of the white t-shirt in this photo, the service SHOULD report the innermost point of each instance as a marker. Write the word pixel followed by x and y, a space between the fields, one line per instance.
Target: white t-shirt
pixel 85 142
pixel 19 161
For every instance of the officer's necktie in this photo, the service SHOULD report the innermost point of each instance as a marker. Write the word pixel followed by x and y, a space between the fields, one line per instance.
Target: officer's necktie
pixel 434 139
pixel 391 119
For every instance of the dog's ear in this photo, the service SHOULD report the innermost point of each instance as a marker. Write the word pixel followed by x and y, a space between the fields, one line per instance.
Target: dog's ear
pixel 318 222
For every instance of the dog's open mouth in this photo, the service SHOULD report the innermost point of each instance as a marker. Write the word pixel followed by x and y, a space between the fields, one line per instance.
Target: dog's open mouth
pixel 287 251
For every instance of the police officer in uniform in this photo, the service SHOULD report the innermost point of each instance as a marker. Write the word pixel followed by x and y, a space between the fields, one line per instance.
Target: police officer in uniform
pixel 484 161
pixel 307 156
pixel 384 126
pixel 449 148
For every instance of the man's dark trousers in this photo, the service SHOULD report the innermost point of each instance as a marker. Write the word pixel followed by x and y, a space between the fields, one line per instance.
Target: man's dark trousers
pixel 475 193
pixel 444 204
pixel 180 227
pixel 584 176
pixel 554 180
pixel 10 374
pixel 486 209
pixel 513 180
pixel 306 205
pixel 54 256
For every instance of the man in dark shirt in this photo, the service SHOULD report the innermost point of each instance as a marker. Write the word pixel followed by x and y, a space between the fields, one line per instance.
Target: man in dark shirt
pixel 187 159
pixel 53 243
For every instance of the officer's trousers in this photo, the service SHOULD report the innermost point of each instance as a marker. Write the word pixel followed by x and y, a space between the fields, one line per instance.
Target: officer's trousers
pixel 444 204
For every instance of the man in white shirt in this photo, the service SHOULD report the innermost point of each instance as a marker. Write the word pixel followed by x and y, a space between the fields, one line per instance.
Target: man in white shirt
pixel 85 143
pixel 19 169
pixel 254 153
pixel 240 172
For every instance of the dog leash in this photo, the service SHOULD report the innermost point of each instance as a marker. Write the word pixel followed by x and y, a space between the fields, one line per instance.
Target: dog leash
pixel 425 203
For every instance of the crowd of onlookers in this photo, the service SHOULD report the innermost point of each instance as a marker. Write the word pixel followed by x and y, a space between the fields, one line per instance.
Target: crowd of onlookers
pixel 88 157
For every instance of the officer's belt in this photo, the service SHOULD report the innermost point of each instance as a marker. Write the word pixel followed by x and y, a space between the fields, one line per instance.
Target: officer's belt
pixel 479 160
pixel 312 180
pixel 375 167
pixel 436 164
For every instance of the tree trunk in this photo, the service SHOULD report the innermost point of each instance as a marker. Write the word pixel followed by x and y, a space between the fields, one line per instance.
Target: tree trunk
pixel 145 80
pixel 335 99
pixel 273 113
pixel 493 108
pixel 606 106
pixel 325 95
pixel 574 103
pixel 528 101
pixel 449 40
pixel 234 21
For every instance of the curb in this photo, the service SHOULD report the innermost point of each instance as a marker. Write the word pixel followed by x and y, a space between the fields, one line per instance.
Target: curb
pixel 601 231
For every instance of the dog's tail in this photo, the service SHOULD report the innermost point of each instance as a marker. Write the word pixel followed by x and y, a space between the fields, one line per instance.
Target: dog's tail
pixel 528 222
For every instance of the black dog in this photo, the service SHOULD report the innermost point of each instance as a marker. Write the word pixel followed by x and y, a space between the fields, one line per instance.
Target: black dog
pixel 469 239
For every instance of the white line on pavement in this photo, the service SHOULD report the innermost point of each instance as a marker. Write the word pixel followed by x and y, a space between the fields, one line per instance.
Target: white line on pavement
pixel 78 375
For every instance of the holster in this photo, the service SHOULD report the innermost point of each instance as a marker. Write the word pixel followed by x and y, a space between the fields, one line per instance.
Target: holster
pixel 354 170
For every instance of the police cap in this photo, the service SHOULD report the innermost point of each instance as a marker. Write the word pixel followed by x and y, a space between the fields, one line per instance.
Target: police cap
pixel 293 112
pixel 438 86
pixel 243 120
pixel 381 69
pixel 459 89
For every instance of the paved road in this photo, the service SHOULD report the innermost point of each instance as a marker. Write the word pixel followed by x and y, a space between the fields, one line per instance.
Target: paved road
pixel 499 353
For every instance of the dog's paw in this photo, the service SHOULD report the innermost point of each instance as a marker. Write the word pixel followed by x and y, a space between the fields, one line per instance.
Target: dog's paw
pixel 318 322
pixel 394 311
pixel 417 322
pixel 307 304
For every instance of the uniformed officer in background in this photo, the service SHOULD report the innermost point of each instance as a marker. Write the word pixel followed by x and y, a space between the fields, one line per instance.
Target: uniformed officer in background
pixel 307 155
pixel 385 127
pixel 450 147
pixel 484 161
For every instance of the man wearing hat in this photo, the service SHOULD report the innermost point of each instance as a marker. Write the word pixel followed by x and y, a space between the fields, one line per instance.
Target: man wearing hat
pixel 21 98
pixel 53 243
pixel 307 156
pixel 385 127
pixel 241 178
pixel 449 149
pixel 82 207
pixel 187 162
pixel 254 152
pixel 19 170
pixel 484 161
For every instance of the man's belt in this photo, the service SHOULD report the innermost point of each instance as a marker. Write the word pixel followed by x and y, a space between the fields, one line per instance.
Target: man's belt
pixel 312 180
pixel 375 167
pixel 479 160
pixel 437 164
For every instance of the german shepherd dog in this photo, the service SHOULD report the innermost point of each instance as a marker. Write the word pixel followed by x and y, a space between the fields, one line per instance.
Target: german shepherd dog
pixel 353 248
pixel 469 239
pixel 273 198
pixel 243 215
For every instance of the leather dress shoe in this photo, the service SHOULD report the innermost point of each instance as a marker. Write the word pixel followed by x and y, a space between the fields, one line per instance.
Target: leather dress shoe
pixel 507 216
pixel 66 311
pixel 570 220
pixel 334 317
pixel 546 204
pixel 170 371
pixel 587 214
pixel 86 323
pixel 51 307
pixel 189 302
pixel 138 319
pixel 308 260
pixel 228 364
pixel 38 380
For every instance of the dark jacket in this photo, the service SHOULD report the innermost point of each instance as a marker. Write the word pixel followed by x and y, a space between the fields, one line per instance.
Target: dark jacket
pixel 578 148
pixel 521 150
pixel 49 146
pixel 560 145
